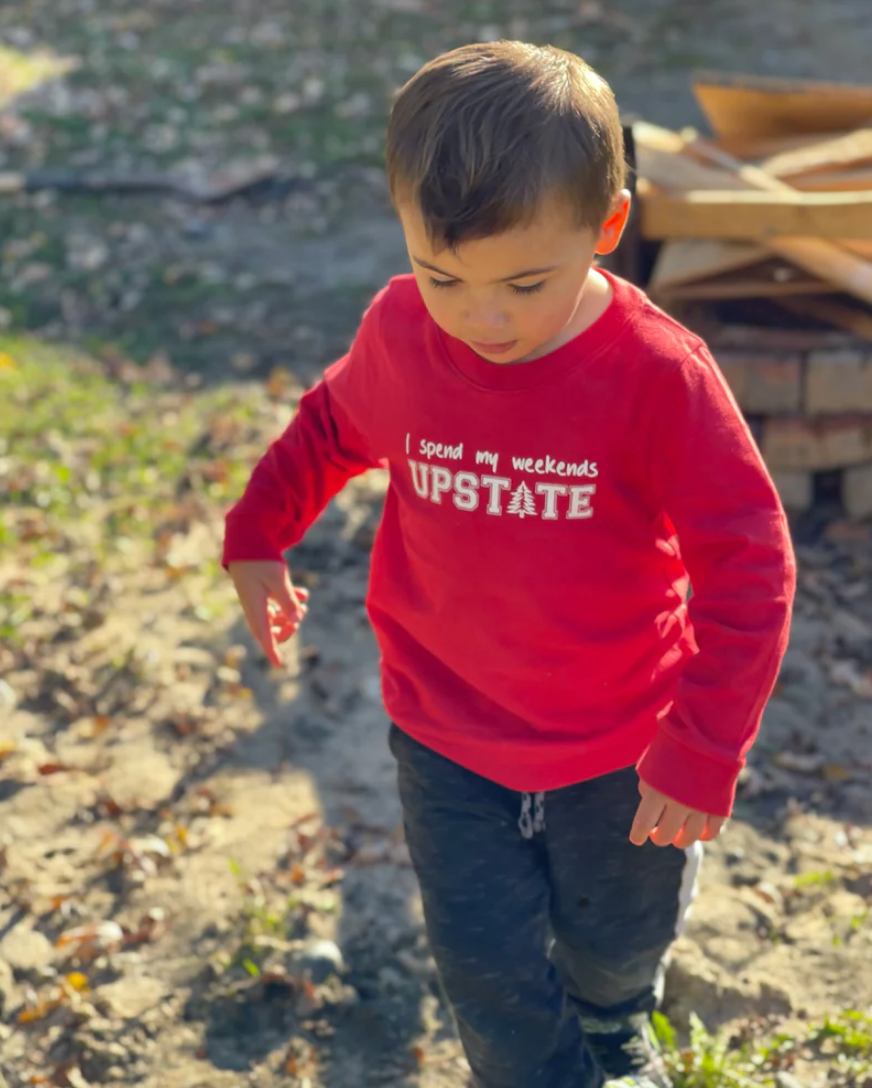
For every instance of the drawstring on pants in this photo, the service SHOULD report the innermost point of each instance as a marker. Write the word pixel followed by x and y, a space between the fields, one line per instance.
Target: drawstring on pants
pixel 532 818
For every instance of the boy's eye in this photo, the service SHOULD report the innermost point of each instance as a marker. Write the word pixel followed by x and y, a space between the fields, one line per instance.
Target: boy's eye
pixel 517 288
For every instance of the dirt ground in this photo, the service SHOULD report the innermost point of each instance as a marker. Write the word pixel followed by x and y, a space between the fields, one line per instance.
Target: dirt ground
pixel 202 878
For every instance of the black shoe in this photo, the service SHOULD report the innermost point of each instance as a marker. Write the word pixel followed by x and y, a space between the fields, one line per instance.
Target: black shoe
pixel 628 1052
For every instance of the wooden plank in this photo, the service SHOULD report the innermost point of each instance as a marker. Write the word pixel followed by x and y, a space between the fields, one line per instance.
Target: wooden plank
pixel 760 106
pixel 668 170
pixel 862 249
pixel 839 152
pixel 832 311
pixel 833 181
pixel 753 214
pixel 755 148
pixel 823 259
pixel 752 287
pixel 700 258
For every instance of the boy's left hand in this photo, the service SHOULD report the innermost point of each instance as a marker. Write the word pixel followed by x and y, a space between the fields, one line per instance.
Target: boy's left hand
pixel 668 823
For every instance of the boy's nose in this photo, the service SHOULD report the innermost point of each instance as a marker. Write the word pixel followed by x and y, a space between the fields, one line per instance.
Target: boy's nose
pixel 485 322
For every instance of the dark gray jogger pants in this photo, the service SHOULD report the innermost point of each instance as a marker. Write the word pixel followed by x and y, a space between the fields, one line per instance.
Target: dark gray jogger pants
pixel 543 918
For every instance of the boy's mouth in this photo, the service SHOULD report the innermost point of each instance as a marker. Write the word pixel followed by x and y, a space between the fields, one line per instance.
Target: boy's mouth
pixel 493 349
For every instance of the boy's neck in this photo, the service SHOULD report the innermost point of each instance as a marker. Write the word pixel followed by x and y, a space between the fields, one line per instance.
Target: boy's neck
pixel 594 300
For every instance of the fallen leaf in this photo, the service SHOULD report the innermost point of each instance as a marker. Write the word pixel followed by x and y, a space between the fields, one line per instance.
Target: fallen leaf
pixel 92 940
pixel 7 749
pixel 53 768
pixel 150 845
pixel 78 982
pixel 152 927
pixel 39 1011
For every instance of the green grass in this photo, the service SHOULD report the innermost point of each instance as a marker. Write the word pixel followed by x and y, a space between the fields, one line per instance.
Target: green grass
pixel 96 467
pixel 842 1044
pixel 78 443
pixel 815 879
pixel 262 920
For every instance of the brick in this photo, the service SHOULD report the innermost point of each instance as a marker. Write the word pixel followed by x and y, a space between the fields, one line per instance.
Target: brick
pixel 838 381
pixel 773 384
pixel 857 491
pixel 796 489
pixel 754 338
pixel 814 445
pixel 764 382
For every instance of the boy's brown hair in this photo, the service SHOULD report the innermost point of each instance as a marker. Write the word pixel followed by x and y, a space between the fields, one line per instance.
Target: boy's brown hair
pixel 480 135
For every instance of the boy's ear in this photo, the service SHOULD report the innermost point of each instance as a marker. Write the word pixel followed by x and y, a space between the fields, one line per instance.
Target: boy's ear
pixel 613 227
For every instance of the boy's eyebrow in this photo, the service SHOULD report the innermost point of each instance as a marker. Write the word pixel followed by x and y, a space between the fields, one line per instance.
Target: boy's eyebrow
pixel 505 279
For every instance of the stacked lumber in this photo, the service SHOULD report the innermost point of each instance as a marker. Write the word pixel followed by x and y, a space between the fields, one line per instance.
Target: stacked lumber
pixel 777 206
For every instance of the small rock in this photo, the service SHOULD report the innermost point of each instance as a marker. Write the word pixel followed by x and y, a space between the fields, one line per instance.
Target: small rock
pixel 320 960
pixel 130 997
pixel 786 1080
pixel 799 762
pixel 853 631
pixel 26 951
pixel 847 674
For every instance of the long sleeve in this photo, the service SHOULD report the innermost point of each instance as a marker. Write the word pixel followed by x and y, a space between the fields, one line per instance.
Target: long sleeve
pixel 734 541
pixel 324 446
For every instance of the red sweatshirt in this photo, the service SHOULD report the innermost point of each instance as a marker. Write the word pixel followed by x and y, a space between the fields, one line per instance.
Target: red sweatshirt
pixel 530 574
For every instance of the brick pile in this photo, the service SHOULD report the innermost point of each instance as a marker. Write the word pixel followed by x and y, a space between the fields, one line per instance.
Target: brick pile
pixel 808 398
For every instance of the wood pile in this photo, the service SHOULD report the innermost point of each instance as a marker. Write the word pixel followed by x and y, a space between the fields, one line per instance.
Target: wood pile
pixel 776 206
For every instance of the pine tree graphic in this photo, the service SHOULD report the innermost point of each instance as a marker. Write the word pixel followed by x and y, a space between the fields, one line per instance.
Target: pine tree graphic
pixel 522 502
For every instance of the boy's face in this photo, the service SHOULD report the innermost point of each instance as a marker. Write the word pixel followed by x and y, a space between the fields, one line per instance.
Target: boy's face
pixel 514 296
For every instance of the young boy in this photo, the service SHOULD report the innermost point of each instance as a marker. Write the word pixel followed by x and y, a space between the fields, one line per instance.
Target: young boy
pixel 563 458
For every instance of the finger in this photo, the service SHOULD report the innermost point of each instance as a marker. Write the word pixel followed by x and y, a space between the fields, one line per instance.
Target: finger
pixel 694 829
pixel 285 630
pixel 670 824
pixel 714 826
pixel 282 591
pixel 258 619
pixel 647 814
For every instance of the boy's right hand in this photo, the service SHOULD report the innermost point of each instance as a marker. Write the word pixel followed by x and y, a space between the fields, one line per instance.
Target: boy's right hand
pixel 273 607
